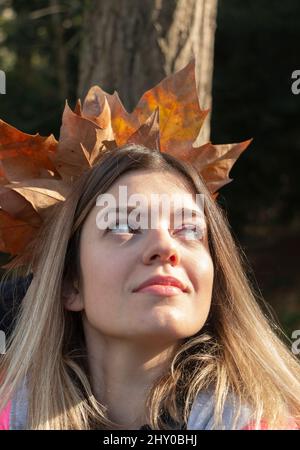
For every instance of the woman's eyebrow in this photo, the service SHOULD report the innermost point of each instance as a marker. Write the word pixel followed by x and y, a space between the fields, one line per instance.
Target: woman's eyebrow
pixel 183 212
pixel 129 208
pixel 194 213
pixel 125 208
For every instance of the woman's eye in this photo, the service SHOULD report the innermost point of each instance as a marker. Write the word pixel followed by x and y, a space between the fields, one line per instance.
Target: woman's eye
pixel 124 228
pixel 192 232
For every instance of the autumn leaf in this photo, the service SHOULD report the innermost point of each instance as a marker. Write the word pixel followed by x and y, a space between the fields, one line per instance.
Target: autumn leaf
pixel 148 134
pixel 41 193
pixel 16 233
pixel 25 156
pixel 214 162
pixel 123 124
pixel 77 132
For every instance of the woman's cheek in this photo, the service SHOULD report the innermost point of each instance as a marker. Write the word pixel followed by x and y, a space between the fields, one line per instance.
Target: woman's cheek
pixel 201 271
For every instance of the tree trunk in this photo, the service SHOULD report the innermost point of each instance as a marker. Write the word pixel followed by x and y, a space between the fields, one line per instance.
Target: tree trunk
pixel 131 45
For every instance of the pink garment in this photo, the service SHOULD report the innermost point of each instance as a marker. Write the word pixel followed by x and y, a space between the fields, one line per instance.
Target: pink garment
pixel 4 417
pixel 291 425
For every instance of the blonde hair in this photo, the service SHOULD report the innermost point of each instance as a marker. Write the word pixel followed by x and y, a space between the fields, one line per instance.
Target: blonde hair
pixel 238 350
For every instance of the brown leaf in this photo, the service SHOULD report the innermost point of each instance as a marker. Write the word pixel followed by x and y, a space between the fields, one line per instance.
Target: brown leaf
pixel 41 193
pixel 18 207
pixel 180 115
pixel 77 132
pixel 123 123
pixel 214 162
pixel 148 133
pixel 24 155
pixel 15 234
pixel 96 108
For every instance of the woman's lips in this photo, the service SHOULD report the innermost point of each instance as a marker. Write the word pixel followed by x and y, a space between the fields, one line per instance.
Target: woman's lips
pixel 161 289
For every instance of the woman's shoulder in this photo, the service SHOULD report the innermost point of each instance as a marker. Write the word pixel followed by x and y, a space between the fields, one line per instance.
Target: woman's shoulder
pixel 202 415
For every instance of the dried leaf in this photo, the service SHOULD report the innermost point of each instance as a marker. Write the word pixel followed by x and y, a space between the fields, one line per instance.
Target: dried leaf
pixel 214 162
pixel 77 132
pixel 24 155
pixel 15 234
pixel 148 133
pixel 123 124
pixel 41 193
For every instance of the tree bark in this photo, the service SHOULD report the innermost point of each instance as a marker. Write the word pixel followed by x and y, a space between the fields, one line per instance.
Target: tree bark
pixel 131 45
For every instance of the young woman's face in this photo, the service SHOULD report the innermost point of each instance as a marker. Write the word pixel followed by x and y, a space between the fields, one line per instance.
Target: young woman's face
pixel 114 263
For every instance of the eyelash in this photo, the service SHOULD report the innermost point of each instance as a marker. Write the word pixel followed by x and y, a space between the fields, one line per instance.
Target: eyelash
pixel 195 228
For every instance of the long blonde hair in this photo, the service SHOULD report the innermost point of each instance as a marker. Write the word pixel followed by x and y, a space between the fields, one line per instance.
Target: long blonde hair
pixel 238 350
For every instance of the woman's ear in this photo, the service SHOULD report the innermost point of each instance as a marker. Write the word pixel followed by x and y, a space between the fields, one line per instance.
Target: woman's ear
pixel 71 296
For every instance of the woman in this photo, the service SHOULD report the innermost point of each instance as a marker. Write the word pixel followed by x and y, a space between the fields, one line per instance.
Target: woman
pixel 92 349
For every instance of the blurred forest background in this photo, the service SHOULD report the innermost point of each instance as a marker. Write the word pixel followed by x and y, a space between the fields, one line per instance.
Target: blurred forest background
pixel 256 50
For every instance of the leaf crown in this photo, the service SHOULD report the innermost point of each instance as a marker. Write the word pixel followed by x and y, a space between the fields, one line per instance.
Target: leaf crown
pixel 36 172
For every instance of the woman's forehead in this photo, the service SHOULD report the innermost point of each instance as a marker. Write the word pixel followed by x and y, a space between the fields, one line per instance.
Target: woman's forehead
pixel 147 188
pixel 150 181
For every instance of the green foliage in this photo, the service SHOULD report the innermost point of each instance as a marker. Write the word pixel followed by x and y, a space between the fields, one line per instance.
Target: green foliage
pixel 39 53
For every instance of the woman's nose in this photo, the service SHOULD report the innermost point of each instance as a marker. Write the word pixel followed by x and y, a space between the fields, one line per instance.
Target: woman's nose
pixel 160 246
